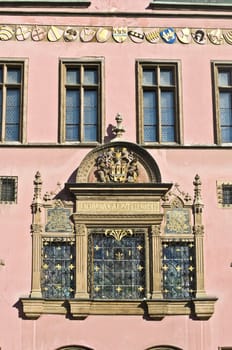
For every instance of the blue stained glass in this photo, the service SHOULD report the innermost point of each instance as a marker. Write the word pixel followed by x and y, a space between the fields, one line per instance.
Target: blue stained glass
pixel 13 76
pixel 73 76
pixel 90 76
pixel 149 77
pixel 119 271
pixel 178 270
pixel 58 270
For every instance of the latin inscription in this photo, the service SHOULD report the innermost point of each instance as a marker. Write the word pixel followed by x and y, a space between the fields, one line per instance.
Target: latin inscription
pixel 118 207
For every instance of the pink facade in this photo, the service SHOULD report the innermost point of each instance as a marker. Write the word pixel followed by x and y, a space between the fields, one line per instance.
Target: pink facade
pixel 40 149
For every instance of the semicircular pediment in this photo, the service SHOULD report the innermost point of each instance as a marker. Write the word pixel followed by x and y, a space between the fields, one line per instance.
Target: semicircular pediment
pixel 118 162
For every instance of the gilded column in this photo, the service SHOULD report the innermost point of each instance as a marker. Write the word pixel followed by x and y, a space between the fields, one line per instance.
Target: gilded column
pixel 156 269
pixel 198 230
pixel 36 229
pixel 81 261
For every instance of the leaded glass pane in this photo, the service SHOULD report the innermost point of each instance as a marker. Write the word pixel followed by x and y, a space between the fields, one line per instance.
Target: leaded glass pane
pixel 12 114
pixel 226 133
pixel 58 268
pixel 166 77
pixel 150 116
pixel 150 133
pixel 149 77
pixel 14 75
pixel 224 78
pixel 73 76
pixel 118 267
pixel 7 190
pixel 72 115
pixel 226 108
pixel 90 76
pixel 227 194
pixel 90 115
pixel 178 270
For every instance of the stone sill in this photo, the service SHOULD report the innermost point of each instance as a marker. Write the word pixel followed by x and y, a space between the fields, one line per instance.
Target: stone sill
pixel 200 308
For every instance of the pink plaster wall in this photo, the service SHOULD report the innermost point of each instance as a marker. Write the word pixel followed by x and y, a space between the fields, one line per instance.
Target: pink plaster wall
pixel 50 332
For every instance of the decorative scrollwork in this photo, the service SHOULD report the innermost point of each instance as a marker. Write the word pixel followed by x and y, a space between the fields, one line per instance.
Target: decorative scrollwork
pixel 118 234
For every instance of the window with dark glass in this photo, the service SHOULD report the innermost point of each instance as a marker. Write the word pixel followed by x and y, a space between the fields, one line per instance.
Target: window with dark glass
pixel 223 101
pixel 81 97
pixel 178 270
pixel 117 265
pixel 8 189
pixel 226 194
pixel 158 103
pixel 11 85
pixel 58 268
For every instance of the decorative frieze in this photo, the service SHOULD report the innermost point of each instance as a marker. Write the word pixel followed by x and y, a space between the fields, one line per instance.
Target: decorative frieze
pixel 118 35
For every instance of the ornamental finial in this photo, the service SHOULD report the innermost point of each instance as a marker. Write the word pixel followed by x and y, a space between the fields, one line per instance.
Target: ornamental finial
pixel 118 129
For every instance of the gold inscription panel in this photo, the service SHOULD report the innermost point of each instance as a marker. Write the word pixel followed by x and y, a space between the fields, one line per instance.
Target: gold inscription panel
pixel 138 207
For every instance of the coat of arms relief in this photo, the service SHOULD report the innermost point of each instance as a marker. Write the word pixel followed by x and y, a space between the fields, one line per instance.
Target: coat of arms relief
pixel 118 165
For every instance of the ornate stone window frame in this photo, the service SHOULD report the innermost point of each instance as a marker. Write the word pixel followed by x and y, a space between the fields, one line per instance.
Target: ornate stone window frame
pixel 220 185
pixel 110 205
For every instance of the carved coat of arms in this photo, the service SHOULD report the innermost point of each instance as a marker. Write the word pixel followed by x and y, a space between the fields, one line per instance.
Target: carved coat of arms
pixel 117 165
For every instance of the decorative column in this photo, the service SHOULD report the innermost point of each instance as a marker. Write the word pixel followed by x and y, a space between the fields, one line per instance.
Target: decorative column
pixel 198 230
pixel 36 229
pixel 156 269
pixel 81 261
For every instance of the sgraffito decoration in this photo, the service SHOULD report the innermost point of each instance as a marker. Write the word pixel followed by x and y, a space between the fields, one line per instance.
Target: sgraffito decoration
pixel 178 221
pixel 58 220
pixel 119 34
pixel 117 165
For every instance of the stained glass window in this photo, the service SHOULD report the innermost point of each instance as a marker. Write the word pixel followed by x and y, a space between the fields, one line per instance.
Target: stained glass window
pixel 10 102
pixel 58 268
pixel 117 265
pixel 178 269
pixel 159 103
pixel 82 103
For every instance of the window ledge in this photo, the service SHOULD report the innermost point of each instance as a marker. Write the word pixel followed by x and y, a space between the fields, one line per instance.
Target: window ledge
pixel 200 308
